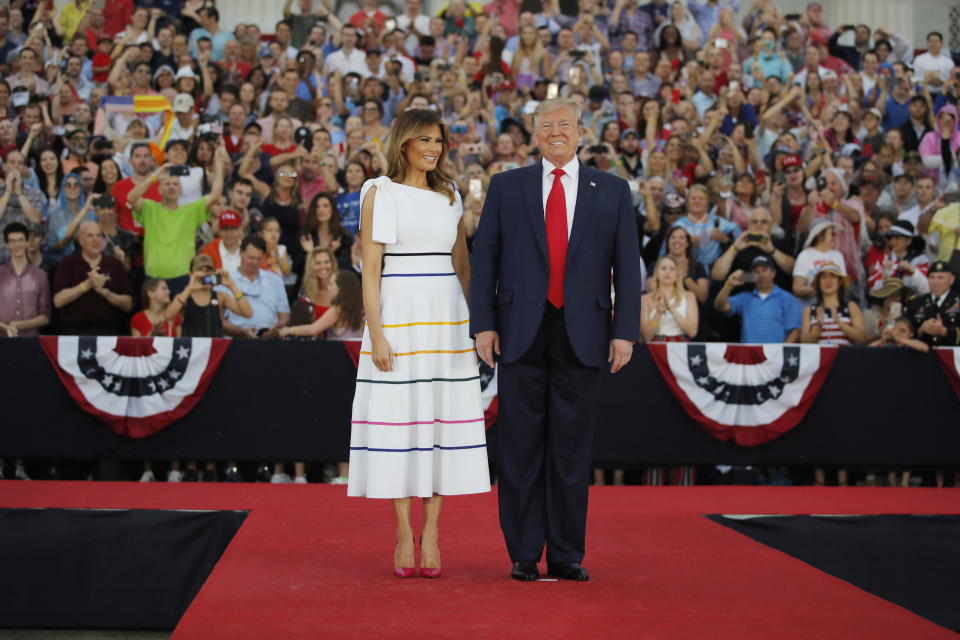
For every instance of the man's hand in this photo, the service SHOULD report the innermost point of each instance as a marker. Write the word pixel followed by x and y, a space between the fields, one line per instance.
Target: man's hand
pixel 272 332
pixel 933 327
pixel 488 343
pixel 97 280
pixel 734 279
pixel 620 353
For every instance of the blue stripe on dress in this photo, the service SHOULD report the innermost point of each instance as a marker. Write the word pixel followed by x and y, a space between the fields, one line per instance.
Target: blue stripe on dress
pixel 476 377
pixel 414 275
pixel 436 446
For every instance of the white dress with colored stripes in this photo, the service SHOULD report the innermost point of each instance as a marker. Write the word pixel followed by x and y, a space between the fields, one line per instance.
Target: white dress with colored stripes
pixel 418 430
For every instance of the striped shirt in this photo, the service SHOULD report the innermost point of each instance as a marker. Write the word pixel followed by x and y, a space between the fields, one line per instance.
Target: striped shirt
pixel 830 332
pixel 767 318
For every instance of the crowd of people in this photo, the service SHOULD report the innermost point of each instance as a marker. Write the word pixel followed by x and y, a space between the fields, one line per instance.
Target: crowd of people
pixel 794 180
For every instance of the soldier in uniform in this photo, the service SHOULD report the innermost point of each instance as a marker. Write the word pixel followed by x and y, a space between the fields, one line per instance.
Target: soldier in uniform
pixel 936 315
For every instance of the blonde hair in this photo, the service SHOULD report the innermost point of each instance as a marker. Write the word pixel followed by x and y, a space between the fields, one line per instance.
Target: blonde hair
pixel 555 104
pixel 407 126
pixel 533 54
pixel 311 286
pixel 678 289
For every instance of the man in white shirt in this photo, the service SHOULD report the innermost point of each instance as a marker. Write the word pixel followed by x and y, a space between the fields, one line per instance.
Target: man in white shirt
pixel 934 60
pixel 191 185
pixel 414 23
pixel 183 126
pixel 927 204
pixel 348 58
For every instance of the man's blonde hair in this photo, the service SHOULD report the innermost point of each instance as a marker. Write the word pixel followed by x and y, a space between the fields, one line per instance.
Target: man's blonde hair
pixel 555 104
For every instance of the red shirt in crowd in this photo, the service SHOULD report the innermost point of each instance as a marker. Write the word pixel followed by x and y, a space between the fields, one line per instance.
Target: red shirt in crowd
pixel 118 14
pixel 124 213
pixel 142 324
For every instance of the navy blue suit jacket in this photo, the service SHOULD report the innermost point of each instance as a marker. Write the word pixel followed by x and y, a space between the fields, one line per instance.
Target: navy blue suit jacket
pixel 510 269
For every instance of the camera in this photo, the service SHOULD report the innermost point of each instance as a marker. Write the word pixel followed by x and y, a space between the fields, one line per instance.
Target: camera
pixel 104 201
pixel 212 279
pixel 179 170
pixel 821 183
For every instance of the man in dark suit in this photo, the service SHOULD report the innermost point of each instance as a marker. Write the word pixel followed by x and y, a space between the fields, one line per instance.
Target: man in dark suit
pixel 549 236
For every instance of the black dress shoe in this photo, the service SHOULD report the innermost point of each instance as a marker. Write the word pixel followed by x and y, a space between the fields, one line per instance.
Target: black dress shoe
pixel 568 571
pixel 525 570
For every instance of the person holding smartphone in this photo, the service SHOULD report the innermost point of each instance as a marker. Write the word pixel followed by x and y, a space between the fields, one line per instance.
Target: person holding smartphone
pixel 768 313
pixel 169 227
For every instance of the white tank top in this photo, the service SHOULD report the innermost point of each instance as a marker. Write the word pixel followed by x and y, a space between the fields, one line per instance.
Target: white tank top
pixel 668 325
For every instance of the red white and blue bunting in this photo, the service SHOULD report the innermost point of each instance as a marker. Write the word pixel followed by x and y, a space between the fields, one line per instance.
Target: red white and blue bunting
pixel 749 394
pixel 137 386
pixel 950 361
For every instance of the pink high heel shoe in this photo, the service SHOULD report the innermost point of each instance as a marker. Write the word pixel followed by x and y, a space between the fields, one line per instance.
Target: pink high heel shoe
pixel 429 572
pixel 404 572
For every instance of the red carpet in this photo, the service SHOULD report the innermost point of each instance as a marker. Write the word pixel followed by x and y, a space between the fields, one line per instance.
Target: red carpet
pixel 308 562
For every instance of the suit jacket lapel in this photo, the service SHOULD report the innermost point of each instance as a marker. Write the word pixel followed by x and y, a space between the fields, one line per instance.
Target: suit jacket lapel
pixel 533 191
pixel 586 194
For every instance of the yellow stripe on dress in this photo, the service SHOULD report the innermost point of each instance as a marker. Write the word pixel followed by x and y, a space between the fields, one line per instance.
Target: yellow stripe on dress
pixel 415 324
pixel 414 353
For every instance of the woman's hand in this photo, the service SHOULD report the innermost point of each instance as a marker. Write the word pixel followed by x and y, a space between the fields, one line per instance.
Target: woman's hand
pixel 382 354
pixel 306 243
pixel 225 278
pixel 194 284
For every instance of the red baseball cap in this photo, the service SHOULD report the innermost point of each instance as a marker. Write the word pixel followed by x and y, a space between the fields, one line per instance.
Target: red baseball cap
pixel 791 160
pixel 230 218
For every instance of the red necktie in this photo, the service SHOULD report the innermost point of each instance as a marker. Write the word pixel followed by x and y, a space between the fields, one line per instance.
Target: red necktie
pixel 556 218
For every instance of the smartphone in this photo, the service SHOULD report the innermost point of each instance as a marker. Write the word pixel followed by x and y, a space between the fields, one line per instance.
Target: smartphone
pixel 597 148
pixel 180 170
pixel 952 197
pixel 721 43
pixel 896 309
pixel 893 82
pixel 213 279
pixel 476 187
pixel 748 278
pixel 576 53
pixel 261 332
pixel 389 25
pixel 553 90
pixel 458 128
pixel 471 148
pixel 677 174
pixel 791 17
pixel 756 238
pixel 509 166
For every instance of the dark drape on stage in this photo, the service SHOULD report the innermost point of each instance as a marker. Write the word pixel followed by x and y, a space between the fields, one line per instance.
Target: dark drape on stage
pixel 106 569
pixel 277 400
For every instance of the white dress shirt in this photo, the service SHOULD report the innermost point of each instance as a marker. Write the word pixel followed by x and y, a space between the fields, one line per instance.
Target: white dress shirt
pixel 569 180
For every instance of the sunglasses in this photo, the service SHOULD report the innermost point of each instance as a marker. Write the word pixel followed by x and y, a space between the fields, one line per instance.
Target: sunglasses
pixel 287 174
pixel 72 185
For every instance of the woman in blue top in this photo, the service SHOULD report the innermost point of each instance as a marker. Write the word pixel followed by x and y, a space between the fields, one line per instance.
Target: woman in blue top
pixel 348 201
pixel 65 218
pixel 708 231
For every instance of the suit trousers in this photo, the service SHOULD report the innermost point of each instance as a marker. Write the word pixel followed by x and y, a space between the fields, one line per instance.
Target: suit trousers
pixel 547 402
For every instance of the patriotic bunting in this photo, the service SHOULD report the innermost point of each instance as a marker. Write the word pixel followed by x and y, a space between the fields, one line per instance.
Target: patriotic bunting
pixel 137 386
pixel 749 394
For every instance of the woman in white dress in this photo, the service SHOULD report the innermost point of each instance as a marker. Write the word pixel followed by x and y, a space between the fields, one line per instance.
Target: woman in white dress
pixel 418 428
pixel 668 313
